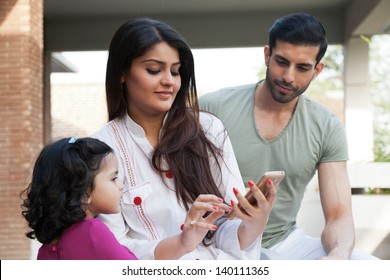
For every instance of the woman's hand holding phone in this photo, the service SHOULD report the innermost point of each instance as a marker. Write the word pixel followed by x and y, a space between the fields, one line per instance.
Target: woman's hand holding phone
pixel 254 217
pixel 274 176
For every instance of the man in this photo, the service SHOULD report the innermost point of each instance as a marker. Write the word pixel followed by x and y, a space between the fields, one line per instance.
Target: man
pixel 273 126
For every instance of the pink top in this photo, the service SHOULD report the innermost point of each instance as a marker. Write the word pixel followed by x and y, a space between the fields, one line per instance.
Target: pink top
pixel 89 239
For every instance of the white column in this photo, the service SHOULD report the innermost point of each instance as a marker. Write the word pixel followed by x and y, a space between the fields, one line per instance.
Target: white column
pixel 358 105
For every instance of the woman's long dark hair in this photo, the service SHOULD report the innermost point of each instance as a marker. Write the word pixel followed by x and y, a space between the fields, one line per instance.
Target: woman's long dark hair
pixel 62 179
pixel 183 144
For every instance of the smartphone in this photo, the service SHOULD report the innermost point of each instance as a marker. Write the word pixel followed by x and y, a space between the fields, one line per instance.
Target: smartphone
pixel 275 176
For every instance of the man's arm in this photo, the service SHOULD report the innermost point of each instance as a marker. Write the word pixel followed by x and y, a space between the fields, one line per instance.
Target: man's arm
pixel 338 236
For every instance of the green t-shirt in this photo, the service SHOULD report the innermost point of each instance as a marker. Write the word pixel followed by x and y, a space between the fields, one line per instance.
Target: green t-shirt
pixel 314 135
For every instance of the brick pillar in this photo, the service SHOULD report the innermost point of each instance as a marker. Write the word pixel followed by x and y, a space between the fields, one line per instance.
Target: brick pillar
pixel 21 120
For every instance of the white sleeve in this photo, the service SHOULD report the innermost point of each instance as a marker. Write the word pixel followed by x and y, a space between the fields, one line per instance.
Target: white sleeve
pixel 228 243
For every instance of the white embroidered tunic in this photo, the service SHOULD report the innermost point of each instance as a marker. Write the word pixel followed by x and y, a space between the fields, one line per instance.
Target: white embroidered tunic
pixel 150 210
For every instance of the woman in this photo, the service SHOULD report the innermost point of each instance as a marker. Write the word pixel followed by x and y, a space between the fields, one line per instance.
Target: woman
pixel 177 164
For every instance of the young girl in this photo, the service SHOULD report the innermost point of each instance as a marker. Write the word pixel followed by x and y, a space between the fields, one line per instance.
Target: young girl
pixel 178 165
pixel 73 181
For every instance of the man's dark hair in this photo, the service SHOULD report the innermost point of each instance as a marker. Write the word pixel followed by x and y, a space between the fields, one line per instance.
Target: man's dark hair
pixel 299 29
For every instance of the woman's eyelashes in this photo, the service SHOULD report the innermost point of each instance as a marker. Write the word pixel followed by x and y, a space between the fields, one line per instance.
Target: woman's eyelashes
pixel 175 73
pixel 155 72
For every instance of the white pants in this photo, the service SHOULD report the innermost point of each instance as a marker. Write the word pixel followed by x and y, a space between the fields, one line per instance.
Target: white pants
pixel 300 246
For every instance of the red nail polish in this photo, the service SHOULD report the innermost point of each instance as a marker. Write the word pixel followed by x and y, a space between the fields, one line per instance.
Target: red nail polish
pixel 214 227
pixel 251 184
pixel 231 202
pixel 235 191
pixel 269 182
pixel 215 208
pixel 220 199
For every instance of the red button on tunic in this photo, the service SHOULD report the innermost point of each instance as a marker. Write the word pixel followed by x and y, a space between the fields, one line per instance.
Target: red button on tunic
pixel 169 174
pixel 137 200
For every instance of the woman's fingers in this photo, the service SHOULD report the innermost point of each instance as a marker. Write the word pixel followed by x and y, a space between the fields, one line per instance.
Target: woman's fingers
pixel 207 224
pixel 271 196
pixel 203 206
pixel 237 207
pixel 208 198
pixel 246 208
pixel 207 203
pixel 205 210
pixel 213 216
